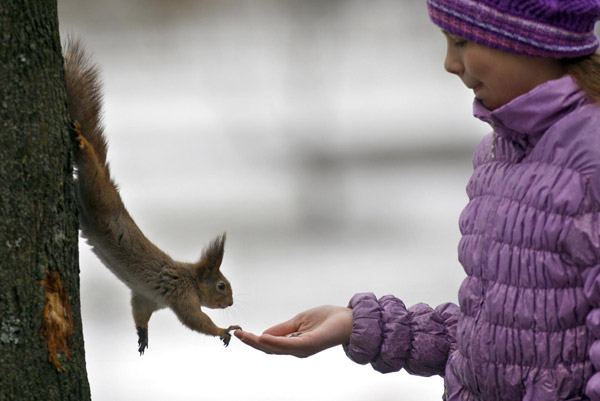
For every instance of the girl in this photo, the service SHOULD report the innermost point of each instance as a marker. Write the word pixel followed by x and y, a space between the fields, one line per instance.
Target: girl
pixel 528 325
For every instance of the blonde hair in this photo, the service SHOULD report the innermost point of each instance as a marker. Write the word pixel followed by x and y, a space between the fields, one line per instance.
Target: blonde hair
pixel 586 72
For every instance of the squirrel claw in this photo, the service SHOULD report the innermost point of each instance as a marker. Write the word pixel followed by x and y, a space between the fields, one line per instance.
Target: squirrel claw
pixel 226 337
pixel 142 339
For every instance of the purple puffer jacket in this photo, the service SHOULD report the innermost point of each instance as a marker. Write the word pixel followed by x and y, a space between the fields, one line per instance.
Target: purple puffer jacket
pixel 529 316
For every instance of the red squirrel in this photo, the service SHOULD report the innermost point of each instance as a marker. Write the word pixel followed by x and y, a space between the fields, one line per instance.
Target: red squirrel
pixel 155 279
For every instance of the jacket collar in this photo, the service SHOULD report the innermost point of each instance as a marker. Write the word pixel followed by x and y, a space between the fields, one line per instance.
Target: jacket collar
pixel 527 117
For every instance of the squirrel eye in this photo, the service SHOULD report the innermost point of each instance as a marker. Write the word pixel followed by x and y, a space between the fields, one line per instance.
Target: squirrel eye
pixel 221 286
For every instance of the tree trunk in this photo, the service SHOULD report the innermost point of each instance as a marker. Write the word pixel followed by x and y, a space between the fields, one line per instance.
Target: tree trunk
pixel 41 338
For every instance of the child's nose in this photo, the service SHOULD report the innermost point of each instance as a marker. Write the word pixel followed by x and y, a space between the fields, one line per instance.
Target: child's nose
pixel 452 63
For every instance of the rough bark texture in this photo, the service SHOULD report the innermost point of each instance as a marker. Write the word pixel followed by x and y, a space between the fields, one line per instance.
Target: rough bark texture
pixel 41 339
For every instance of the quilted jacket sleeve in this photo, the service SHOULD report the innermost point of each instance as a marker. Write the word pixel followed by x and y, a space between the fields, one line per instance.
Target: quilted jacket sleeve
pixel 582 244
pixel 390 336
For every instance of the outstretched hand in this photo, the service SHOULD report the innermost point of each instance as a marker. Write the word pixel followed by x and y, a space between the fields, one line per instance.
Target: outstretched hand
pixel 304 335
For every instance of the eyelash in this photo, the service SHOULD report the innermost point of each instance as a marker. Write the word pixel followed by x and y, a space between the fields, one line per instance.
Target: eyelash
pixel 460 43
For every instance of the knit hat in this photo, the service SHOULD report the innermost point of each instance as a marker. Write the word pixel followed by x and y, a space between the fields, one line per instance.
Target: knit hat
pixel 538 28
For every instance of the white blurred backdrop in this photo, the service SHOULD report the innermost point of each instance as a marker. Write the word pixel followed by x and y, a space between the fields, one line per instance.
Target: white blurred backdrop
pixel 323 136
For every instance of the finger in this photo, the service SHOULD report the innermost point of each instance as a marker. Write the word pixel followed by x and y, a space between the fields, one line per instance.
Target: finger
pixel 283 344
pixel 283 329
pixel 274 344
pixel 239 334
pixel 297 346
pixel 253 341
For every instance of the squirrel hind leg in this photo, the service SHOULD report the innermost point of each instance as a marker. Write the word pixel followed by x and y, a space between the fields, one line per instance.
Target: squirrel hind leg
pixel 77 136
pixel 83 149
pixel 142 309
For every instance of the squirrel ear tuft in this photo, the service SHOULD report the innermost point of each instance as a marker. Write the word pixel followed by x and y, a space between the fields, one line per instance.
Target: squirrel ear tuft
pixel 212 256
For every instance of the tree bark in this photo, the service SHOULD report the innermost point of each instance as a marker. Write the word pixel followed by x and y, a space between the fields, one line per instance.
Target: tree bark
pixel 41 338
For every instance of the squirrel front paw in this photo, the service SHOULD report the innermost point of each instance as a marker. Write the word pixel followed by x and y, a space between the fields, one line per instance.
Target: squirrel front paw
pixel 225 336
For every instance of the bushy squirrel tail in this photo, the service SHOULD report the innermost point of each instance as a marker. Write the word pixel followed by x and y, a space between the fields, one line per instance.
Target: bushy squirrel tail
pixel 84 95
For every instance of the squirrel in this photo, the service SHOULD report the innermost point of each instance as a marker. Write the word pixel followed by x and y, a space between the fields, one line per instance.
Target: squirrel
pixel 155 279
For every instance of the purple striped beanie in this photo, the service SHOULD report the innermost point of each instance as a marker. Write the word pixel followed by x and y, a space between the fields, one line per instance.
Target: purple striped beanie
pixel 537 28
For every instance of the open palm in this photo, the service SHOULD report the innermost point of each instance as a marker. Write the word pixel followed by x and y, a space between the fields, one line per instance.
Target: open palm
pixel 305 334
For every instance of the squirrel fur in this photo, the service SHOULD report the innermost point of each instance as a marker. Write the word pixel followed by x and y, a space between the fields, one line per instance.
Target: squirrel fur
pixel 155 279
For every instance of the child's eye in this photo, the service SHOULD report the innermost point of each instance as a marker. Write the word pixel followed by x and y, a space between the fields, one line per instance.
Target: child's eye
pixel 457 41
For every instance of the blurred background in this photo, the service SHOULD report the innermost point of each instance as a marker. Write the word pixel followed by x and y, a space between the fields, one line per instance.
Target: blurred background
pixel 323 136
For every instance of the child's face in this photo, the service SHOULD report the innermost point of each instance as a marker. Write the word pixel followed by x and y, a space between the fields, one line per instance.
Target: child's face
pixel 496 77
